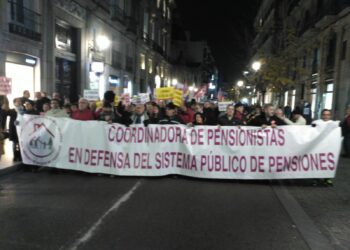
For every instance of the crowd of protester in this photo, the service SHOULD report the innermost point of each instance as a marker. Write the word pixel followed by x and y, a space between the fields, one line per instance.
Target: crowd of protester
pixel 191 114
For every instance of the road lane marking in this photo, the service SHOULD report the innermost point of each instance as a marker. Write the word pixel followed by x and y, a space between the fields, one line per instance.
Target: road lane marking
pixel 90 233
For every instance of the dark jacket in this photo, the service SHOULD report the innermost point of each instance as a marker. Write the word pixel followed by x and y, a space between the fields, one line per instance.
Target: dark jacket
pixel 39 103
pixel 171 120
pixel 12 126
pixel 211 116
pixel 262 120
pixel 225 121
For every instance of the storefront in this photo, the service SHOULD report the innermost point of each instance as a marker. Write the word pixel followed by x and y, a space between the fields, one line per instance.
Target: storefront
pixel 25 74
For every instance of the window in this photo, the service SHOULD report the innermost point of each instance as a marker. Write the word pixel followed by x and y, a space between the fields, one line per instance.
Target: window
pixel 169 14
pixel 293 99
pixel 286 94
pixel 65 38
pixel 331 52
pixel 162 71
pixel 315 61
pixel 117 58
pixel 343 50
pixel 164 8
pixel 328 96
pixel 145 25
pixel 150 66
pixel 153 30
pixel 313 93
pixel 142 61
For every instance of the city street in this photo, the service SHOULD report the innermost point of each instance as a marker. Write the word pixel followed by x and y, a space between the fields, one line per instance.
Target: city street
pixel 73 210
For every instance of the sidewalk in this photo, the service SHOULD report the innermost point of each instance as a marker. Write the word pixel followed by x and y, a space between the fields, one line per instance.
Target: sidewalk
pixel 7 165
pixel 328 207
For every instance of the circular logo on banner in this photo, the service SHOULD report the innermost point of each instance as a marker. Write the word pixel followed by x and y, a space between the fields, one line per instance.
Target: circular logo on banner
pixel 41 139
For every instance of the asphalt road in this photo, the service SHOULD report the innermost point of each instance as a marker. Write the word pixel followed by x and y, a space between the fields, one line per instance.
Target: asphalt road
pixel 73 210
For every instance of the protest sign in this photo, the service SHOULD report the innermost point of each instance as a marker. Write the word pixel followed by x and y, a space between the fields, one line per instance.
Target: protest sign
pixel 91 94
pixel 223 106
pixel 165 93
pixel 178 97
pixel 5 85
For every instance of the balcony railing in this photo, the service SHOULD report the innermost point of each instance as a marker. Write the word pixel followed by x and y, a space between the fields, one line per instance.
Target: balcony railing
pixel 117 14
pixel 24 22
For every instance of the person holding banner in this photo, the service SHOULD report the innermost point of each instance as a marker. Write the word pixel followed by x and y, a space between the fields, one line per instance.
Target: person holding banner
pixel 229 119
pixel 210 113
pixel 155 115
pixel 267 118
pixel 297 118
pixel 55 110
pixel 12 128
pixel 106 113
pixel 239 113
pixel 29 108
pixel 83 113
pixel 345 126
pixel 170 115
pixel 199 120
pixel 140 116
pixel 326 117
pixel 186 114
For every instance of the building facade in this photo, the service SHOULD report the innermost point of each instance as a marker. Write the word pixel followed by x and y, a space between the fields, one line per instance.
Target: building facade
pixel 69 46
pixel 321 31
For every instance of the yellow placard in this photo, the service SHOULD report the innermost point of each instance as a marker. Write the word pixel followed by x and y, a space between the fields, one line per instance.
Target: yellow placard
pixel 178 97
pixel 98 104
pixel 116 100
pixel 164 93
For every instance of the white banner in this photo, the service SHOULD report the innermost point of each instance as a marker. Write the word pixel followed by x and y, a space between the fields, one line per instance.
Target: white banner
pixel 286 152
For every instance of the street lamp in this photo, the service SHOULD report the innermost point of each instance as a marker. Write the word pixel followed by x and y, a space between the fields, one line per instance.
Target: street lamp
pixel 256 66
pixel 103 42
pixel 174 82
pixel 240 83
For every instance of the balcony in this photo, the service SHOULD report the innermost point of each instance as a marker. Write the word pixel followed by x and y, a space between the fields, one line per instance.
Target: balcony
pixel 117 14
pixel 24 22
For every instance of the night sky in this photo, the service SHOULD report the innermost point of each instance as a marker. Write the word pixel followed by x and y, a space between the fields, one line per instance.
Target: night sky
pixel 227 25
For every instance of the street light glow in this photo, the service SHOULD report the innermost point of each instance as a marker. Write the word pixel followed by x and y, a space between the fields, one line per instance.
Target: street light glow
pixel 103 42
pixel 256 66
pixel 158 81
pixel 240 83
pixel 174 82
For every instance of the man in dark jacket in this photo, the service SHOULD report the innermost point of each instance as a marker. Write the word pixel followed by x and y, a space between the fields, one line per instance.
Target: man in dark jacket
pixel 239 113
pixel 229 119
pixel 210 114
pixel 267 118
pixel 170 115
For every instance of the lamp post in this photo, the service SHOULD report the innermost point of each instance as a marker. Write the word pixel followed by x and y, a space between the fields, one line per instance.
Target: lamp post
pixel 256 66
